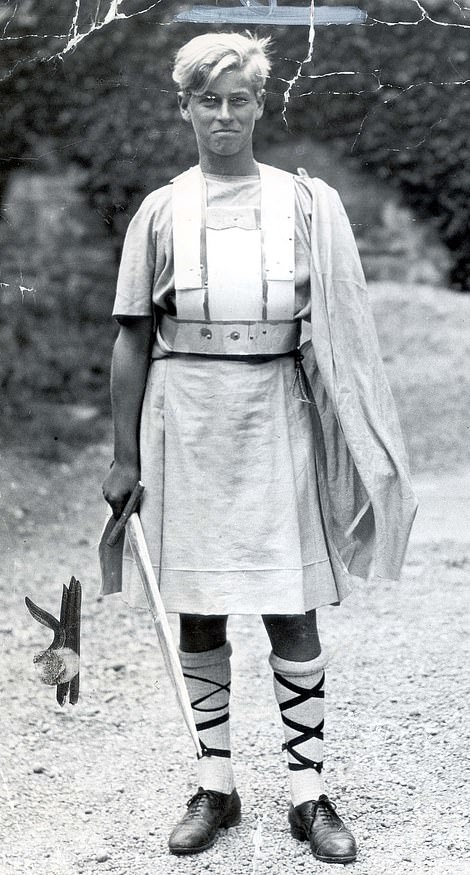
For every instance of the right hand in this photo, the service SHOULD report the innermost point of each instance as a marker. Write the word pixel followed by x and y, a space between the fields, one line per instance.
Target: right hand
pixel 118 485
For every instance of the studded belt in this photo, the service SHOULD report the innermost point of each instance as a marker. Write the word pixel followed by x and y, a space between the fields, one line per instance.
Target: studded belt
pixel 229 338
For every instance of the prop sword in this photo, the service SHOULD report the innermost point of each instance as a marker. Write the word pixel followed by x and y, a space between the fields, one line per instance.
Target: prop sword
pixel 130 521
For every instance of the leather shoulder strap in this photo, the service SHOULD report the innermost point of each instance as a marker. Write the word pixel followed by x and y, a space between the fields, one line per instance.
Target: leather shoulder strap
pixel 186 208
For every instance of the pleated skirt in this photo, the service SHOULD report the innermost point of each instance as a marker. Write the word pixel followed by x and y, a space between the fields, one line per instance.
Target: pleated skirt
pixel 231 510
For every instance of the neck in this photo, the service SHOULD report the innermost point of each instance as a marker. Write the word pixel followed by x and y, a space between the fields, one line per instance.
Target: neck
pixel 229 165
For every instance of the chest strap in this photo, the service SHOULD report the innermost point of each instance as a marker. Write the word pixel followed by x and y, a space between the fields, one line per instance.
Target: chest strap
pixel 198 277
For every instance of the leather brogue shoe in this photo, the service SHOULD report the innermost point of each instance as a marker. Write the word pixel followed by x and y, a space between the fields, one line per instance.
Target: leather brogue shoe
pixel 318 823
pixel 207 812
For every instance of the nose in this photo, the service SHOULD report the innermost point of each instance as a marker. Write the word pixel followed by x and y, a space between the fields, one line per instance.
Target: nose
pixel 225 110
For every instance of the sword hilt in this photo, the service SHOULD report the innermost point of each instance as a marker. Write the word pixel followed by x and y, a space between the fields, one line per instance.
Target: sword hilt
pixel 129 509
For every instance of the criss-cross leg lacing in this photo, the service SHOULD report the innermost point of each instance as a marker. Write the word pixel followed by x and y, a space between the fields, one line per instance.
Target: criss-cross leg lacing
pixel 222 707
pixel 207 677
pixel 299 690
pixel 306 732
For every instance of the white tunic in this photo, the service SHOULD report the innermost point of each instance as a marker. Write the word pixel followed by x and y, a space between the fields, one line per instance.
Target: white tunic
pixel 351 440
pixel 231 511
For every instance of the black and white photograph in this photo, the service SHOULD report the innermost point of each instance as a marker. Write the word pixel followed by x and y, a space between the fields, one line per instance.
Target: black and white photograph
pixel 234 437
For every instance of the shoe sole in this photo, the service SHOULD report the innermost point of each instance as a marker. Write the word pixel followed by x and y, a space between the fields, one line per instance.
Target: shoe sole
pixel 182 851
pixel 299 834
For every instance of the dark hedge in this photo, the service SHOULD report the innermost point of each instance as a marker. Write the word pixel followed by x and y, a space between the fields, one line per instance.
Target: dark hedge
pixel 109 107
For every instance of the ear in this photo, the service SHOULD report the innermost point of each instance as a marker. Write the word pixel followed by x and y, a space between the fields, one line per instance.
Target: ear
pixel 183 103
pixel 260 100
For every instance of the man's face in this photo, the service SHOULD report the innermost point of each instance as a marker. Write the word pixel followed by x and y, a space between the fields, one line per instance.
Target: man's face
pixel 224 116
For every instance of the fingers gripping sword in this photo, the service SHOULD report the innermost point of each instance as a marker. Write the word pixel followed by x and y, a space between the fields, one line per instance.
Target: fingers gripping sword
pixel 130 520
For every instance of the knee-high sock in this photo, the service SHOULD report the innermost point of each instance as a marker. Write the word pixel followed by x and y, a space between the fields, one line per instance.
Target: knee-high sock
pixel 207 677
pixel 298 687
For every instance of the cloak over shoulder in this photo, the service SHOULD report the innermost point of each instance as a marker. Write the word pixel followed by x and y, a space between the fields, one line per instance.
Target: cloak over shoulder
pixel 364 483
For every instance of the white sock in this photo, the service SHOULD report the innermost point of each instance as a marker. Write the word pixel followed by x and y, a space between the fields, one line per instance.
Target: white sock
pixel 207 676
pixel 299 691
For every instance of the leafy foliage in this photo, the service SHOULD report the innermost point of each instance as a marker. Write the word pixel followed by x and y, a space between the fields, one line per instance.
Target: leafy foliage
pixel 110 106
pixel 393 97
pixel 404 110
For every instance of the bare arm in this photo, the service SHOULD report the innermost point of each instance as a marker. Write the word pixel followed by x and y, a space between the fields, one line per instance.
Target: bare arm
pixel 129 369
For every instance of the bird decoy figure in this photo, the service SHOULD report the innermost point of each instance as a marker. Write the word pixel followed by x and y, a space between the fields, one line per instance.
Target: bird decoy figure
pixel 59 664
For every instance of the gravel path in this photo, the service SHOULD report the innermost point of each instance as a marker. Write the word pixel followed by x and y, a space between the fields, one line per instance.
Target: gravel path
pixel 96 788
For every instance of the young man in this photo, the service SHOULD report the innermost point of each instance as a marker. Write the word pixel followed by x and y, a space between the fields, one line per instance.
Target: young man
pixel 272 476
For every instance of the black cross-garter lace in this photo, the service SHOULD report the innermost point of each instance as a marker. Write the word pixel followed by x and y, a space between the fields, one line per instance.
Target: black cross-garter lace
pixel 216 721
pixel 306 732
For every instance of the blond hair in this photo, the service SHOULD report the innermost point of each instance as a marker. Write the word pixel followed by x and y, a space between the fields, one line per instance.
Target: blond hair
pixel 202 59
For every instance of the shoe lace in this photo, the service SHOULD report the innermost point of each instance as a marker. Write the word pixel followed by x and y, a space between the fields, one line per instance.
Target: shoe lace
pixel 194 804
pixel 325 809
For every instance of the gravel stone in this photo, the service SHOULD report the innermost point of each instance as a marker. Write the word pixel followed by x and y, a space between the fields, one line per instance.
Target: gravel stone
pixel 126 767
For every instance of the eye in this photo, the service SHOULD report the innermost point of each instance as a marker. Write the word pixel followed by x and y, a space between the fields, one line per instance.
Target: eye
pixel 239 101
pixel 208 99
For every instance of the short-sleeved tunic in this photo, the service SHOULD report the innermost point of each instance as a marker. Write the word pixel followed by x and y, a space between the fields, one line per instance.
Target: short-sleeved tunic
pixel 230 511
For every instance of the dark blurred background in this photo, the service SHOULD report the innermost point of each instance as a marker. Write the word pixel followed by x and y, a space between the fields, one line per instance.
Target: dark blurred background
pixel 86 132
